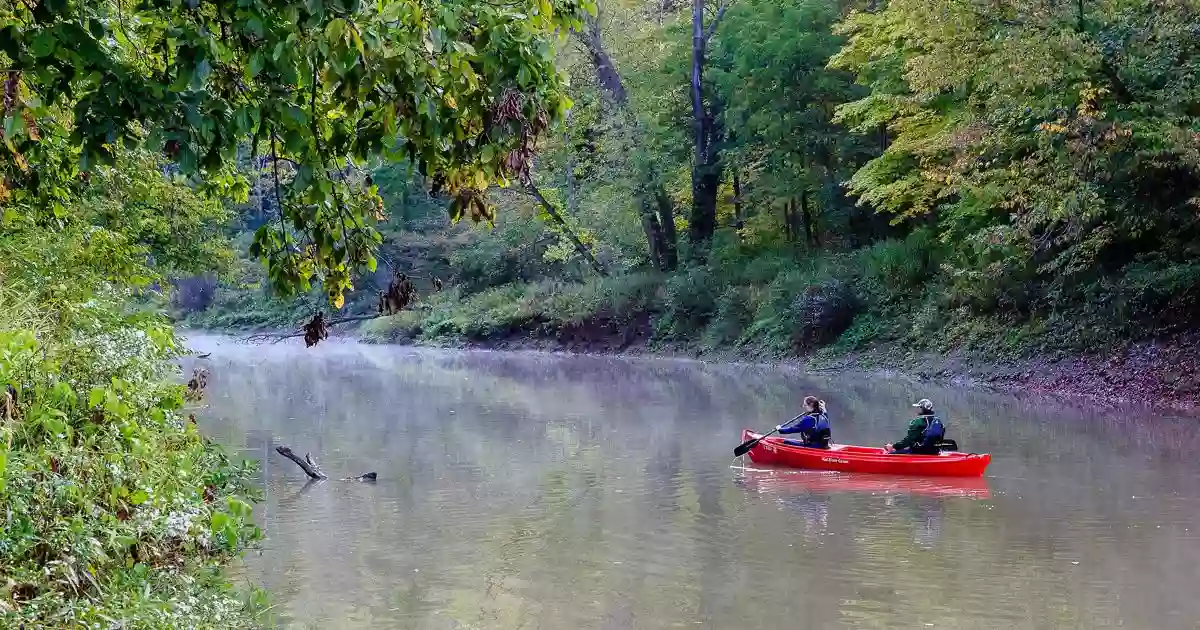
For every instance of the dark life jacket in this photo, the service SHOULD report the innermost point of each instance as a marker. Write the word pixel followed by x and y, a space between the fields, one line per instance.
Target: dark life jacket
pixel 821 436
pixel 935 432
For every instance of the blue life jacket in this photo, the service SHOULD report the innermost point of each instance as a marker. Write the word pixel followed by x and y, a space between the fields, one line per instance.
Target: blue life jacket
pixel 813 430
pixel 821 435
pixel 935 431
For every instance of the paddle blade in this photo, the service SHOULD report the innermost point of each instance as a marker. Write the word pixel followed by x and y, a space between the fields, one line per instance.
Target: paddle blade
pixel 745 447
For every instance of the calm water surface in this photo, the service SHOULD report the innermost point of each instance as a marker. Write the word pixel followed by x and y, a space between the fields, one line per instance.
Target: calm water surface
pixel 538 491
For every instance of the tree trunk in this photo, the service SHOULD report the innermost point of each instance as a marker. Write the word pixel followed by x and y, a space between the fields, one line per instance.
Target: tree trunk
pixel 699 124
pixel 606 72
pixel 810 234
pixel 787 220
pixel 582 249
pixel 653 230
pixel 663 239
pixel 308 464
pixel 703 222
pixel 700 226
pixel 737 200
pixel 706 164
pixel 666 218
pixel 569 174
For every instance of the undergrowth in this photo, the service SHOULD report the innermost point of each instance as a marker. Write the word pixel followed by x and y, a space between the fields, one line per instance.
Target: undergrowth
pixel 895 293
pixel 117 513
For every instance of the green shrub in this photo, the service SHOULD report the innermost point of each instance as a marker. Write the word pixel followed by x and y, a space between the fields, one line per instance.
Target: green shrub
pixel 821 313
pixel 618 298
pixel 773 321
pixel 866 329
pixel 897 269
pixel 733 313
pixel 1147 295
pixel 402 327
pixel 690 302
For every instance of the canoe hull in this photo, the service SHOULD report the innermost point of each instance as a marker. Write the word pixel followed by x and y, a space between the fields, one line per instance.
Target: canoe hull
pixel 864 459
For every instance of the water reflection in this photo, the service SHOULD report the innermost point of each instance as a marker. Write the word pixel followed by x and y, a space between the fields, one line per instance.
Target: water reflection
pixel 525 491
pixel 810 494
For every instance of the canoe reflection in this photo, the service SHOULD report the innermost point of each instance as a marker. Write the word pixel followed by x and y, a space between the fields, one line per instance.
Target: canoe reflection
pixel 791 481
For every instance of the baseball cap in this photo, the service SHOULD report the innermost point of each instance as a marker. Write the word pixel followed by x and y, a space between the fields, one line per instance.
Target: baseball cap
pixel 924 403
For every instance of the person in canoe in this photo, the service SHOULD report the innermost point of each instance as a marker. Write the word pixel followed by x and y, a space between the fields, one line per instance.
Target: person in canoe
pixel 925 432
pixel 813 427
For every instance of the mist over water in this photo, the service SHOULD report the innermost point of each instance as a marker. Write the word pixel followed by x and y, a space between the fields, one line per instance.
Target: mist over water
pixel 541 491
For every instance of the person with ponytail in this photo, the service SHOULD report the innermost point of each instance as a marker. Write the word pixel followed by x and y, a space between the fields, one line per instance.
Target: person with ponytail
pixel 812 428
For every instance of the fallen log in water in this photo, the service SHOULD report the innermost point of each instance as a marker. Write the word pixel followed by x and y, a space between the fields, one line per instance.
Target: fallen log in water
pixel 308 464
pixel 310 467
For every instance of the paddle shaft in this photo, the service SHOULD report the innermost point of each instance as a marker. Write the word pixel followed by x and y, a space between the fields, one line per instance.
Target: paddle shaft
pixel 749 444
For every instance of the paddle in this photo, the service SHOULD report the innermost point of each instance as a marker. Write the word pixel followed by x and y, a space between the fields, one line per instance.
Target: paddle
pixel 749 444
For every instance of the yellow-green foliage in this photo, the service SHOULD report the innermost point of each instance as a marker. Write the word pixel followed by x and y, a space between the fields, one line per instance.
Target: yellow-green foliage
pixel 116 509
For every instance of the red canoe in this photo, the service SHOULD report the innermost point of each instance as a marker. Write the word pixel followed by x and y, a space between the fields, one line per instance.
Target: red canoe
pixel 864 459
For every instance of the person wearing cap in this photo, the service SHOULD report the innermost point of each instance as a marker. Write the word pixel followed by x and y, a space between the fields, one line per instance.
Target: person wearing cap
pixel 924 432
pixel 813 428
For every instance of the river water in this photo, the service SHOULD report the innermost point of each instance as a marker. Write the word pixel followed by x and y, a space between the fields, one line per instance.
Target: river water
pixel 557 492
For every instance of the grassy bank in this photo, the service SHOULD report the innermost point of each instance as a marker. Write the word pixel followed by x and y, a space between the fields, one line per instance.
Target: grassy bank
pixel 895 292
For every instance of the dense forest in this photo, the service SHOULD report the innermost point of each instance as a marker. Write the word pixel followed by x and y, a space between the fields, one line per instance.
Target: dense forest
pixel 778 177
pixel 774 177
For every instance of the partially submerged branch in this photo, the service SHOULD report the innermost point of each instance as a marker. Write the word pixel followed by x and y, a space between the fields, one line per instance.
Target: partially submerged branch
pixel 308 464
pixel 310 467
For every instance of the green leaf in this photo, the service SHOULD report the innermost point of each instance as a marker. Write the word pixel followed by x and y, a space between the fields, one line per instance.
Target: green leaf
pixel 336 29
pixel 96 28
pixel 43 44
pixel 256 64
pixel 200 74
pixel 255 26
pixel 112 403
pixel 238 508
pixel 97 396
pixel 139 497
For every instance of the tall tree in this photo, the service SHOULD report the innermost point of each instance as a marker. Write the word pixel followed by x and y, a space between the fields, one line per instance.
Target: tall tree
pixel 769 68
pixel 655 206
pixel 706 129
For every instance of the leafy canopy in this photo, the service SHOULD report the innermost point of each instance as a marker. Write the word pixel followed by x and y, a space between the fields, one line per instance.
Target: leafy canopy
pixel 1055 143
pixel 316 87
